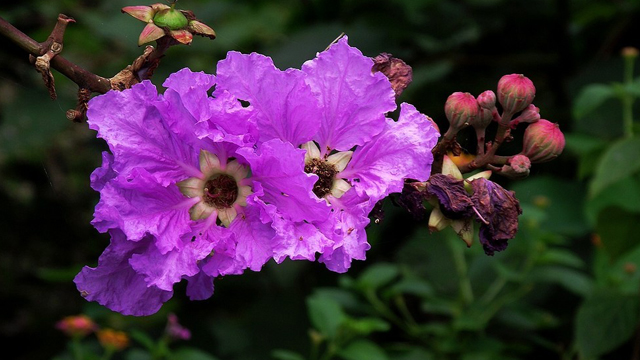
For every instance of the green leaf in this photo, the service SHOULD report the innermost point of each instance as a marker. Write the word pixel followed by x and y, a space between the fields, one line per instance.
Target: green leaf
pixel 365 326
pixel 591 97
pixel 561 257
pixel 588 148
pixel 189 353
pixel 377 276
pixel 138 354
pixel 411 285
pixel 143 339
pixel 363 349
pixel 572 280
pixel 634 88
pixel 560 199
pixel 286 355
pixel 326 314
pixel 618 230
pixel 618 162
pixel 624 194
pixel 604 321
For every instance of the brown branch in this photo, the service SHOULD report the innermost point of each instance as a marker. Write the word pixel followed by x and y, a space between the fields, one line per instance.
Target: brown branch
pixel 84 79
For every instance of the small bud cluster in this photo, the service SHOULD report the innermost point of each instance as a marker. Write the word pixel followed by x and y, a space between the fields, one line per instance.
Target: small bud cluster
pixel 457 199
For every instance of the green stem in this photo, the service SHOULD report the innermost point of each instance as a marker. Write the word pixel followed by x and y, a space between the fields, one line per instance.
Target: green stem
pixel 76 348
pixel 627 101
pixel 108 352
pixel 460 264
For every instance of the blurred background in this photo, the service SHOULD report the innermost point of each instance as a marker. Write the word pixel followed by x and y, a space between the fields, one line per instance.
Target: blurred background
pixel 566 288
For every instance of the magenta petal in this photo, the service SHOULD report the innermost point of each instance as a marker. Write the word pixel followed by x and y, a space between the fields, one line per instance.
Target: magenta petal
pixel 279 168
pixel 164 270
pixel 254 238
pixel 100 176
pixel 284 105
pixel 141 205
pixel 353 100
pixel 401 151
pixel 114 284
pixel 295 240
pixel 137 134
pixel 192 91
pixel 199 286
pixel 346 226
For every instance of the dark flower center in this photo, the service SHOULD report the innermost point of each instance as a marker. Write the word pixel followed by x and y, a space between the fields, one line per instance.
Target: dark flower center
pixel 326 173
pixel 221 191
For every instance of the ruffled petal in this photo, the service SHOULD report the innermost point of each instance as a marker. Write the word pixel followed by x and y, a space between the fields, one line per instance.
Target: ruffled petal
pixel 142 206
pixel 138 134
pixel 295 240
pixel 254 238
pixel 199 286
pixel 102 175
pixel 353 100
pixel 346 227
pixel 401 151
pixel 116 285
pixel 279 168
pixel 164 270
pixel 284 105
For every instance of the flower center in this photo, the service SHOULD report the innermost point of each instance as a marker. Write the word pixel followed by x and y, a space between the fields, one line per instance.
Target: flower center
pixel 221 191
pixel 326 174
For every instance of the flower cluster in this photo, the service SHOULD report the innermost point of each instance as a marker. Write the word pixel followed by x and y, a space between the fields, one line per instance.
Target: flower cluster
pixel 458 202
pixel 271 165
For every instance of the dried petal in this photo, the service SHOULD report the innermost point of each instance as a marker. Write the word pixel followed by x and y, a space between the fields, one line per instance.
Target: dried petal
pixel 397 71
pixel 498 210
pixel 454 200
pixel 199 28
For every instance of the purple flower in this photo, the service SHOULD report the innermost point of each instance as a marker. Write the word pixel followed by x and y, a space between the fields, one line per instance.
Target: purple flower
pixel 335 109
pixel 184 193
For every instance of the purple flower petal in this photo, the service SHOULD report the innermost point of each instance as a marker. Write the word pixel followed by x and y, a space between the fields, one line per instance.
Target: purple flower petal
pixel 402 150
pixel 138 136
pixel 284 105
pixel 353 100
pixel 164 270
pixel 346 227
pixel 142 206
pixel 199 286
pixel 114 284
pixel 254 238
pixel 100 176
pixel 279 168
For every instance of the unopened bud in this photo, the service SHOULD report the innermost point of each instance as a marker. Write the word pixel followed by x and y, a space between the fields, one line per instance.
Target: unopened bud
pixel 543 141
pixel 518 167
pixel 461 109
pixel 529 115
pixel 629 52
pixel 515 92
pixel 487 100
pixel 170 18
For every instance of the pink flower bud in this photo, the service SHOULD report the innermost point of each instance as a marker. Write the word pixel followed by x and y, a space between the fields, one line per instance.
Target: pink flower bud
pixel 487 100
pixel 518 167
pixel 529 115
pixel 543 141
pixel 515 92
pixel 76 326
pixel 461 109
